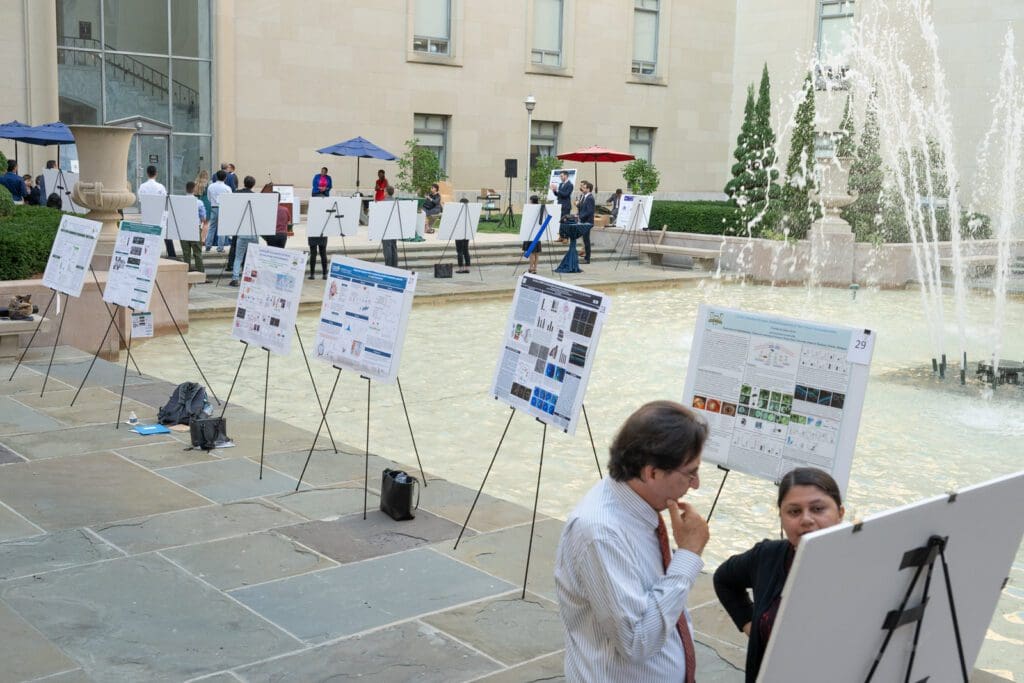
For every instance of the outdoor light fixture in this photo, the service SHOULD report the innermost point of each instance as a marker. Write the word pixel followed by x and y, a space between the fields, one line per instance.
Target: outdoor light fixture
pixel 530 102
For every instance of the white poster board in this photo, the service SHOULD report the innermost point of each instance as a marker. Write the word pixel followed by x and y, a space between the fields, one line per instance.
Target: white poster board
pixel 548 349
pixel 630 216
pixel 363 318
pixel 142 325
pixel 179 220
pixel 287 193
pixel 333 216
pixel 460 223
pixel 71 254
pixel 556 180
pixel 133 266
pixel 62 182
pixel 778 393
pixel 533 219
pixel 854 577
pixel 268 297
pixel 243 212
pixel 392 220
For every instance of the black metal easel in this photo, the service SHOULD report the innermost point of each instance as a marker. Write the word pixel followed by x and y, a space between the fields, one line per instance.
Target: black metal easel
pixel 536 497
pixel 630 234
pixel 508 215
pixel 387 226
pixel 462 220
pixel 247 211
pixel 549 247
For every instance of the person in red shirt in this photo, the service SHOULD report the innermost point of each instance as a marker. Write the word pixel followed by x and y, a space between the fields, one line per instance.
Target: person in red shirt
pixel 380 187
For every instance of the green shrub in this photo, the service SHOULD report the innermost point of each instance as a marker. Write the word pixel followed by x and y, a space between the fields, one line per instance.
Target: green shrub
pixel 641 177
pixel 25 241
pixel 6 202
pixel 704 217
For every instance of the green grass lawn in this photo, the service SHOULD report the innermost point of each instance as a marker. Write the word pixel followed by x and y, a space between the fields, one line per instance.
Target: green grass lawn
pixel 497 226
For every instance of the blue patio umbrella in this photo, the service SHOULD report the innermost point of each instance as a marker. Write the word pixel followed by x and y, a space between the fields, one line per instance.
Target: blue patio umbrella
pixel 360 148
pixel 55 133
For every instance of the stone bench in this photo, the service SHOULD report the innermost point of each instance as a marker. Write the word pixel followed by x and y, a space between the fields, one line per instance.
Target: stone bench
pixel 10 329
pixel 194 277
pixel 980 264
pixel 655 253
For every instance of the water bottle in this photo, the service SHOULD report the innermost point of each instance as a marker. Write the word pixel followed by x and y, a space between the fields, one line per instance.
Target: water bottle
pixel 133 419
pixel 207 408
pixel 402 478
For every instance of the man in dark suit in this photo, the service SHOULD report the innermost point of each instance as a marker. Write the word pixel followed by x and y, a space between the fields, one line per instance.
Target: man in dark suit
pixel 563 193
pixel 585 207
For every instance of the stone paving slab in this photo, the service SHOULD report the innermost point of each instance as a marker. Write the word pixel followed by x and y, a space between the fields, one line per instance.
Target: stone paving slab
pixel 352 538
pixel 327 467
pixel 13 525
pixel 357 597
pixel 7 456
pixel 95 405
pixel 26 381
pixel 197 525
pixel 50 552
pixel 248 560
pixel 328 503
pixel 453 502
pixel 64 493
pixel 75 441
pixel 103 374
pixel 141 618
pixel 509 629
pixel 74 676
pixel 548 669
pixel 224 481
pixel 36 656
pixel 17 418
pixel 156 393
pixel 168 453
pixel 406 652
pixel 245 429
pixel 503 554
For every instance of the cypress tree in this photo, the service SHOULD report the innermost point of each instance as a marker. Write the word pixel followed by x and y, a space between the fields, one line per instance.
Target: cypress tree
pixel 866 177
pixel 798 211
pixel 766 189
pixel 846 145
pixel 743 179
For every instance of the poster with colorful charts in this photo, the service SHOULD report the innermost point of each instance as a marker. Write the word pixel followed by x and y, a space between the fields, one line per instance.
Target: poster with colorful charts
pixel 268 297
pixel 363 318
pixel 548 349
pixel 778 393
pixel 133 266
pixel 71 254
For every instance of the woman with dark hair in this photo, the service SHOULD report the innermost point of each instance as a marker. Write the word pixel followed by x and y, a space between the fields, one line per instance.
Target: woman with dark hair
pixel 462 250
pixel 809 500
pixel 535 254
pixel 322 184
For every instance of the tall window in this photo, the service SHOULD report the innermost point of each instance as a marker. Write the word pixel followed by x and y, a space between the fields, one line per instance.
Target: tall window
pixel 641 143
pixel 432 132
pixel 645 37
pixel 547 32
pixel 119 59
pixel 835 25
pixel 543 140
pixel 432 27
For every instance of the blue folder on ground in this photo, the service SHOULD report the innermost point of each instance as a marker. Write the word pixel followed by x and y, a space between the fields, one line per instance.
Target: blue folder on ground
pixel 146 430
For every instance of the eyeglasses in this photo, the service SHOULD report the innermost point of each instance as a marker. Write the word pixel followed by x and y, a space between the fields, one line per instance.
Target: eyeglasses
pixel 690 476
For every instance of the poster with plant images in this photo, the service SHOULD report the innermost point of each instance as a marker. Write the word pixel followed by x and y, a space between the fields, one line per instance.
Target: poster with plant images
pixel 777 393
pixel 548 349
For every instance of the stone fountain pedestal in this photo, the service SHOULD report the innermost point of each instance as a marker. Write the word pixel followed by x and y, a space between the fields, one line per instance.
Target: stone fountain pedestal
pixel 103 186
pixel 833 249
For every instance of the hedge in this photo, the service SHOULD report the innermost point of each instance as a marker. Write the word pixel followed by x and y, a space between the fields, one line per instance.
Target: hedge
pixel 704 217
pixel 25 241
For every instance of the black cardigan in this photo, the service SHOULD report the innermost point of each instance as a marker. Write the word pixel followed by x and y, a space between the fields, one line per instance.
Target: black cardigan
pixel 762 569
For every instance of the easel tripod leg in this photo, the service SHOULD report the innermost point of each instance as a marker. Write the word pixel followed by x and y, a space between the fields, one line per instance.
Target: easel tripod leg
pixel 408 422
pixel 316 392
pixel 366 460
pixel 46 310
pixel 484 482
pixel 93 361
pixel 183 341
pixel 266 390
pixel 56 340
pixel 323 421
pixel 224 408
pixel 124 378
pixel 715 502
pixel 536 498
pixel 111 314
pixel 586 420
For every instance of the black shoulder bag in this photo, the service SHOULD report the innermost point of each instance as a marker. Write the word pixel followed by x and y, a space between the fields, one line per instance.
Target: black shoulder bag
pixel 396 489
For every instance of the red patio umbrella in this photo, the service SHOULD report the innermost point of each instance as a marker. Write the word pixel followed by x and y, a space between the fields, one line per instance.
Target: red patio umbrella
pixel 596 154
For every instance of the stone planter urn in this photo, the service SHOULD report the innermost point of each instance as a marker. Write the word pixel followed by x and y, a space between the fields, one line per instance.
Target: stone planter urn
pixel 103 180
pixel 834 195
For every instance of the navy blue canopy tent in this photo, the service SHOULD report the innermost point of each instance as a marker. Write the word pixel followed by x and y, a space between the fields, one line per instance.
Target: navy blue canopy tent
pixel 55 133
pixel 360 148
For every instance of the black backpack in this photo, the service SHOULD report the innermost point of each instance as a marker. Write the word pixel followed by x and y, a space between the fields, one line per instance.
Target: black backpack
pixel 186 404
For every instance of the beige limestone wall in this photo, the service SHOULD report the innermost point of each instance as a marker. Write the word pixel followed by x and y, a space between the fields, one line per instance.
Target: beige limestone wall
pixel 297 81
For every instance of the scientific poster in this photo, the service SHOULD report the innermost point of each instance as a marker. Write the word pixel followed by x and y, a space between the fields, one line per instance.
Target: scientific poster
pixel 133 266
pixel 179 218
pixel 71 254
pixel 548 350
pixel 459 221
pixel 630 216
pixel 777 393
pixel 142 325
pixel 268 297
pixel 363 318
pixel 556 179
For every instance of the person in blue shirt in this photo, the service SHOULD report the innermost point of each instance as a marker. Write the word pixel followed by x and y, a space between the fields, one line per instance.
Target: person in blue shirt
pixel 14 183
pixel 322 184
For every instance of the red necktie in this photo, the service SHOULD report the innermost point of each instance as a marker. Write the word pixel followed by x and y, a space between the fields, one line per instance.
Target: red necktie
pixel 681 625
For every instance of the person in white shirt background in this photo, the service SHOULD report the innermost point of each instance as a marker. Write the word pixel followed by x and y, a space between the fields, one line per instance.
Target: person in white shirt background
pixel 621 590
pixel 152 187
pixel 213 193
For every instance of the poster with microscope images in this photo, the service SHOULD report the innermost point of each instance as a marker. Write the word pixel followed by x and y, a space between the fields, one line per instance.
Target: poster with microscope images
pixel 268 297
pixel 133 266
pixel 363 318
pixel 548 349
pixel 778 393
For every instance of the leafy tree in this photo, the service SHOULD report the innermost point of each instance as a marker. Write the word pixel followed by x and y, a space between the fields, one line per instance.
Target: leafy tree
pixel 744 143
pixel 867 176
pixel 641 176
pixel 798 210
pixel 540 174
pixel 418 168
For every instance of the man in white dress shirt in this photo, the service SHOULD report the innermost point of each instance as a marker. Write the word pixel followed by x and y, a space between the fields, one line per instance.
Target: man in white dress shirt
pixel 152 187
pixel 621 590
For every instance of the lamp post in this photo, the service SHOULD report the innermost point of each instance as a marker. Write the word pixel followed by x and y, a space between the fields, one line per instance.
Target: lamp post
pixel 530 102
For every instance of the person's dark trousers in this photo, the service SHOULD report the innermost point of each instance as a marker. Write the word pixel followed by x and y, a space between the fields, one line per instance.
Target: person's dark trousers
pixel 318 245
pixel 170 249
pixel 391 252
pixel 462 251
pixel 586 245
pixel 278 241
pixel 231 253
